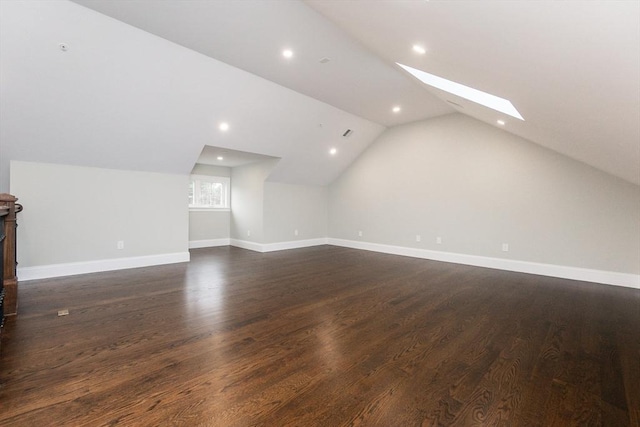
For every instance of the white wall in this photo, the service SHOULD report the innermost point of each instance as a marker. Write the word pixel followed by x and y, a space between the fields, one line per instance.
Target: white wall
pixel 273 211
pixel 247 196
pixel 478 187
pixel 294 207
pixel 76 214
pixel 208 227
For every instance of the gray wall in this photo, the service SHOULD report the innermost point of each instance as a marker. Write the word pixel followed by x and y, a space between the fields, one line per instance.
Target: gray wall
pixel 247 195
pixel 273 211
pixel 209 225
pixel 478 187
pixel 75 214
pixel 294 207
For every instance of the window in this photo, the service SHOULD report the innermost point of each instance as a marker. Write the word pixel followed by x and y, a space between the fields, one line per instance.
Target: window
pixel 209 192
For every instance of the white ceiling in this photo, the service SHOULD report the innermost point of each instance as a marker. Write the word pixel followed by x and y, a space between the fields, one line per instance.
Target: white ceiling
pixel 230 158
pixel 571 68
pixel 122 98
pixel 251 34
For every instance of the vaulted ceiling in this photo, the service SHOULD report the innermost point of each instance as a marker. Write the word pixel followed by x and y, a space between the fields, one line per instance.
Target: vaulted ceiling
pixel 572 69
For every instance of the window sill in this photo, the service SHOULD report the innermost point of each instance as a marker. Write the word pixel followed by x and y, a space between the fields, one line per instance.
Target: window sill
pixel 209 210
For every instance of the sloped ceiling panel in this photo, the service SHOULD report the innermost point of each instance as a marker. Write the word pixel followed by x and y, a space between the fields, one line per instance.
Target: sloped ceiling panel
pixel 121 98
pixel 572 68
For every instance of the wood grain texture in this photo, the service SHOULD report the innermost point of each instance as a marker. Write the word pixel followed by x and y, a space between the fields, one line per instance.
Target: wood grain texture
pixel 322 336
pixel 10 281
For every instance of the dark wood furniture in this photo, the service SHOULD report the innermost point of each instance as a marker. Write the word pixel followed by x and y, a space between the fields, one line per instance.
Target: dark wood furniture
pixel 3 213
pixel 8 277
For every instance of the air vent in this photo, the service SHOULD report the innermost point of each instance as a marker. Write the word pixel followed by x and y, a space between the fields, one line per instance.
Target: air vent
pixel 347 133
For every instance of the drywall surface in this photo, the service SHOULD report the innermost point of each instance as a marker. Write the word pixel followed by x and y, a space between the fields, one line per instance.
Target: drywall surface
pixel 477 188
pixel 78 214
pixel 120 98
pixel 247 195
pixel 209 225
pixel 200 169
pixel 289 208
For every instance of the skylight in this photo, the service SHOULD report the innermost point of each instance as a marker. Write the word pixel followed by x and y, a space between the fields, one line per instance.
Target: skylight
pixel 466 92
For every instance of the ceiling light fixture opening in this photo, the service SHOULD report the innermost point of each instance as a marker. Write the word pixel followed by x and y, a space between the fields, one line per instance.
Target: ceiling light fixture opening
pixel 501 122
pixel 333 151
pixel 287 53
pixel 220 158
pixel 419 49
pixel 396 109
pixel 491 101
pixel 224 126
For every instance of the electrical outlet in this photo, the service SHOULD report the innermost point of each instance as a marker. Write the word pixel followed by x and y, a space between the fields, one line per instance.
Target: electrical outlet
pixel 439 240
pixel 505 247
pixel 295 232
pixel 120 244
pixel 359 233
pixel 418 238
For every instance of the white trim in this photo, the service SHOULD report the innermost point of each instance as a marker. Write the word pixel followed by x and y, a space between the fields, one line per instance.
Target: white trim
pixel 73 268
pixel 200 209
pixel 279 246
pixel 561 271
pixel 252 246
pixel 294 244
pixel 226 184
pixel 565 272
pixel 195 244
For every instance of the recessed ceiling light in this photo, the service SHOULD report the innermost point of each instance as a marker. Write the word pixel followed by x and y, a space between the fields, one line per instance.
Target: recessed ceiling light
pixel 396 109
pixel 419 49
pixel 466 92
pixel 501 122
pixel 287 53
pixel 220 158
pixel 224 126
pixel 333 151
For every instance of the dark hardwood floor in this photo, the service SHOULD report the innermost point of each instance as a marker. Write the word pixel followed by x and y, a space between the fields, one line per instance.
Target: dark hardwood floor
pixel 322 336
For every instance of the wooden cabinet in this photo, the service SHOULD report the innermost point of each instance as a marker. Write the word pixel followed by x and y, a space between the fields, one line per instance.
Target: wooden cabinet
pixel 3 214
pixel 8 279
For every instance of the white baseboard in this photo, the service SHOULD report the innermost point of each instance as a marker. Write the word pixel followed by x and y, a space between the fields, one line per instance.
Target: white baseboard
pixel 564 272
pixel 73 268
pixel 195 244
pixel 294 244
pixel 280 246
pixel 252 246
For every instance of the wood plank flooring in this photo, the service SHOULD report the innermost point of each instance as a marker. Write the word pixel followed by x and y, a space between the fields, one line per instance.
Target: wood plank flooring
pixel 322 336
